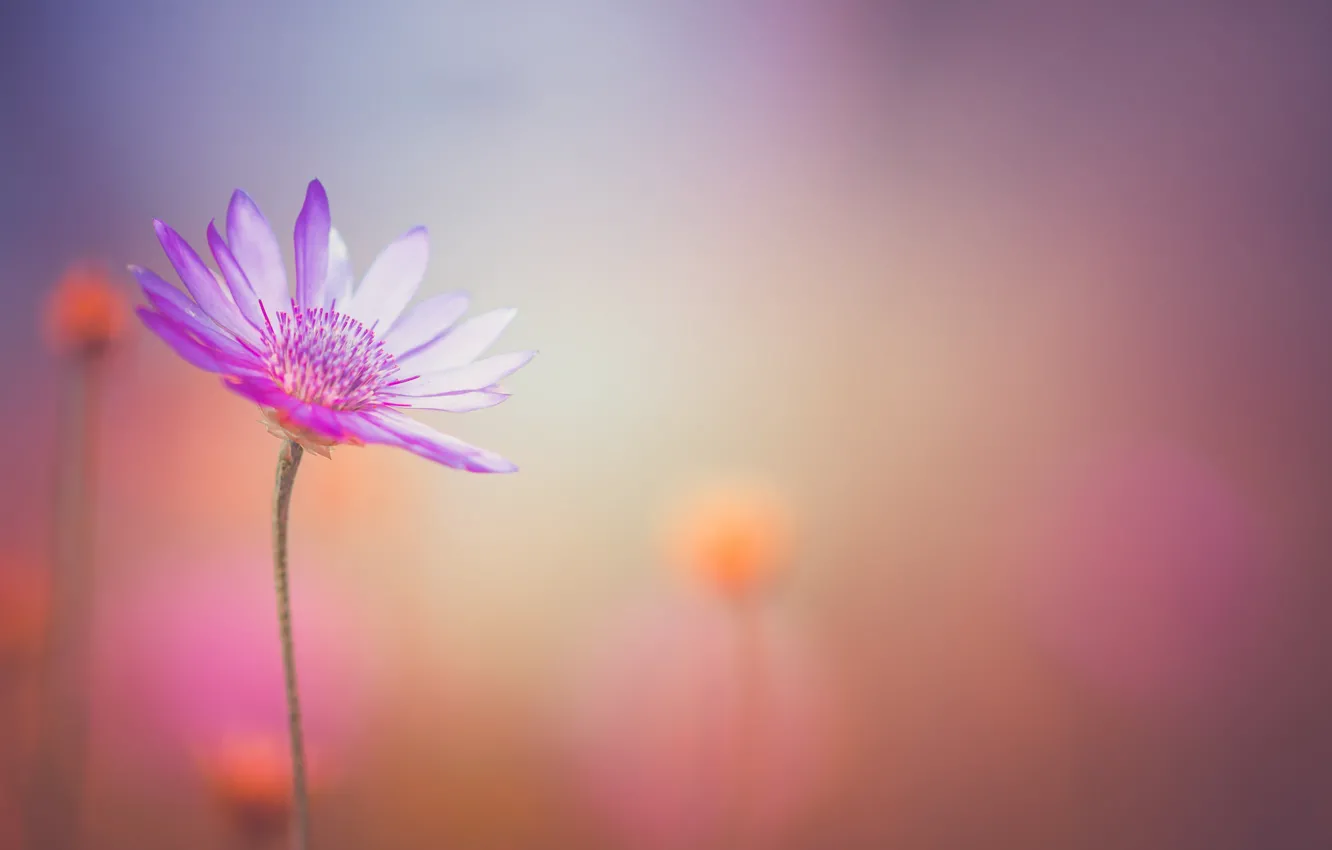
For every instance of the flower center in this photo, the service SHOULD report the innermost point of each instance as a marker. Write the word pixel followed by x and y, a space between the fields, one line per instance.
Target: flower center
pixel 327 358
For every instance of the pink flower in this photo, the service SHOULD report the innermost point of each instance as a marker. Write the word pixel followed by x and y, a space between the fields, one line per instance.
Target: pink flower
pixel 334 363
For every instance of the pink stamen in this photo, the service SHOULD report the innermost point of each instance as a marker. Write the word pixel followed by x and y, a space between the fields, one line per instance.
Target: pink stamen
pixel 328 358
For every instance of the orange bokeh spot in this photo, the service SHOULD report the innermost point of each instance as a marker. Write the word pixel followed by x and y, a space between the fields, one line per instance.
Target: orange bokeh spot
pixel 734 538
pixel 251 781
pixel 86 311
pixel 25 605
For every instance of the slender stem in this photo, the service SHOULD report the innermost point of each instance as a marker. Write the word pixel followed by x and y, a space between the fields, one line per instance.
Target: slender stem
pixel 288 461
pixel 55 808
pixel 747 719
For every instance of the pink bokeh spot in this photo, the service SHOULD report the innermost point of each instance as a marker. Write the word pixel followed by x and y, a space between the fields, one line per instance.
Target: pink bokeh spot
pixel 191 666
pixel 1145 571
pixel 653 722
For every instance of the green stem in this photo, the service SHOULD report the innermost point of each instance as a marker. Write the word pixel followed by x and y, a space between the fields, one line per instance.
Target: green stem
pixel 288 461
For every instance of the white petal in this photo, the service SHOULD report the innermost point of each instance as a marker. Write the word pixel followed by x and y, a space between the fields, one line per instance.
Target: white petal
pixel 256 249
pixel 463 344
pixel 459 402
pixel 425 323
pixel 474 376
pixel 338 284
pixel 391 281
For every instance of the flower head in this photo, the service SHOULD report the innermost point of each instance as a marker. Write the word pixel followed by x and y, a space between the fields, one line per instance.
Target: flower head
pixel 251 782
pixel 332 363
pixel 24 610
pixel 86 311
pixel 733 538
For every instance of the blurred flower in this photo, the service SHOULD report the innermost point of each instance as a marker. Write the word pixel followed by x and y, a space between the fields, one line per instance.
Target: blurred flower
pixel 734 538
pixel 25 600
pixel 85 314
pixel 250 778
pixel 86 310
pixel 332 365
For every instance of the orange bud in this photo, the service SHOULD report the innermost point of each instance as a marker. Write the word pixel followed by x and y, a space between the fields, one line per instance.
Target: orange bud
pixel 735 539
pixel 86 310
pixel 24 608
pixel 251 781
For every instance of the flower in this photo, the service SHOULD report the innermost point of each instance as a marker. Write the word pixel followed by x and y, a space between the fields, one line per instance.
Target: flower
pixel 251 782
pixel 334 364
pixel 733 538
pixel 86 311
pixel 25 602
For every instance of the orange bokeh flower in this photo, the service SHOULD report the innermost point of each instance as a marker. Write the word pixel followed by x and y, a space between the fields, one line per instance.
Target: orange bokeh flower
pixel 735 538
pixel 250 779
pixel 24 609
pixel 86 311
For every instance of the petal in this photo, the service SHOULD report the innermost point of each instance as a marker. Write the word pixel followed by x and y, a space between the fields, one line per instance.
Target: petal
pixel 242 293
pixel 459 402
pixel 312 230
pixel 322 422
pixel 426 323
pixel 176 306
pixel 168 299
pixel 256 249
pixel 396 429
pixel 199 280
pixel 312 422
pixel 473 376
pixel 261 390
pixel 392 280
pixel 463 344
pixel 338 283
pixel 190 350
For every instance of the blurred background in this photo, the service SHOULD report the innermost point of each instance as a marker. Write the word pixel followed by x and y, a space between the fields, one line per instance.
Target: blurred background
pixel 1001 328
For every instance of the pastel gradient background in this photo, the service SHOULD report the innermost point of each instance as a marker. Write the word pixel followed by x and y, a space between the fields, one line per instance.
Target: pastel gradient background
pixel 1022 307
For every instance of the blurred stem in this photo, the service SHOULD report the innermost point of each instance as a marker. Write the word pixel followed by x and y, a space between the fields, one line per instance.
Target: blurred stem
pixel 55 806
pixel 288 461
pixel 746 733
